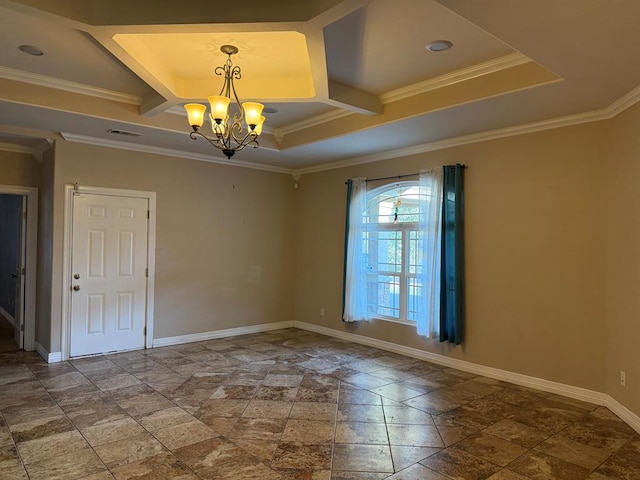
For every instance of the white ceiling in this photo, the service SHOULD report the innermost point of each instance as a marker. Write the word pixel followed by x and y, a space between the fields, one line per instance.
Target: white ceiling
pixel 377 92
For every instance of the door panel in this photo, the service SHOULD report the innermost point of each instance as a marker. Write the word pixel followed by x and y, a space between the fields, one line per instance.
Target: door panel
pixel 109 261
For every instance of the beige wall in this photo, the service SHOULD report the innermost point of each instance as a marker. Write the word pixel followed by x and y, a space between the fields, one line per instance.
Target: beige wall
pixel 623 259
pixel 223 237
pixel 19 169
pixel 534 253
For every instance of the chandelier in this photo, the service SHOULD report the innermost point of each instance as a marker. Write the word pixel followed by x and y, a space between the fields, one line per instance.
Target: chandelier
pixel 231 131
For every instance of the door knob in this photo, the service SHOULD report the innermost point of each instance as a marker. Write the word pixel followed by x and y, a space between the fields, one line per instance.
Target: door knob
pixel 76 288
pixel 76 276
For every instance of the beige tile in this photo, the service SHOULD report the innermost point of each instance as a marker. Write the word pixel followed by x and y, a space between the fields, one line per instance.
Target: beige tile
pixel 397 392
pixel 167 417
pixel 259 449
pixel 506 474
pixel 574 452
pixel 348 412
pixel 458 464
pixel 222 408
pixel 146 403
pixel 8 455
pixel 362 458
pixel 54 445
pixel 488 447
pixel 209 453
pixel 540 466
pixel 112 431
pixel 178 436
pixel 417 472
pixel 81 463
pixel 94 413
pixel 129 450
pixel 405 456
pixel 118 381
pixel 414 435
pixel 518 433
pixel 264 429
pixel 245 467
pixel 104 475
pixel 313 411
pixel 301 456
pixel 267 409
pixel 406 415
pixel 308 432
pixel 364 433
pixel 163 466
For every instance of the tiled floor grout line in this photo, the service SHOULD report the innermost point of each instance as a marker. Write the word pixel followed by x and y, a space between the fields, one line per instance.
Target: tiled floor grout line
pixel 335 428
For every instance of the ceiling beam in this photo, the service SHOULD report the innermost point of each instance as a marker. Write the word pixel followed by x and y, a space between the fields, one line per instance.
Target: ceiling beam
pixel 352 99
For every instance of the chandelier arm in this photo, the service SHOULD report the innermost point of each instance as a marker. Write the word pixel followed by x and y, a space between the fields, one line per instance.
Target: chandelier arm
pixel 245 143
pixel 214 142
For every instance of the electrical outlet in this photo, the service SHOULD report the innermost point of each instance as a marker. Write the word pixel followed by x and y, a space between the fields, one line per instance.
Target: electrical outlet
pixel 322 312
pixel 623 378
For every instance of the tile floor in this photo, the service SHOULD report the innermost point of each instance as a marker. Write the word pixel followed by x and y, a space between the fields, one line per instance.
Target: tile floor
pixel 7 344
pixel 292 405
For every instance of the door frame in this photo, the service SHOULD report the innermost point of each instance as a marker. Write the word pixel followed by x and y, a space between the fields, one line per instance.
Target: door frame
pixel 31 260
pixel 69 191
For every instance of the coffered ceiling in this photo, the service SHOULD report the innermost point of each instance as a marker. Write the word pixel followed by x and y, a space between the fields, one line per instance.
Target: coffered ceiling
pixel 347 81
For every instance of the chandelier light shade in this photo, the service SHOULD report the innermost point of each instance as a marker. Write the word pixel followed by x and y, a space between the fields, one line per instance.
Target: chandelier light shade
pixel 233 126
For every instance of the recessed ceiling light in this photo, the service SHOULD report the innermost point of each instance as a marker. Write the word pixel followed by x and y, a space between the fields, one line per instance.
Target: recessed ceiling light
pixel 439 45
pixel 269 110
pixel 31 50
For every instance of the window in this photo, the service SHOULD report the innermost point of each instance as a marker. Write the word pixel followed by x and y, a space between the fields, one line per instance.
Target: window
pixel 403 249
pixel 392 250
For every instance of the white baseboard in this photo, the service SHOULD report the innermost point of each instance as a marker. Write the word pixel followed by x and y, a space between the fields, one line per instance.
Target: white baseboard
pixel 54 357
pixel 570 391
pixel 624 413
pixel 229 332
pixel 6 315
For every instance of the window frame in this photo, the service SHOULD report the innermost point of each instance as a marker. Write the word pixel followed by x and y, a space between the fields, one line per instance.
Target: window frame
pixel 404 275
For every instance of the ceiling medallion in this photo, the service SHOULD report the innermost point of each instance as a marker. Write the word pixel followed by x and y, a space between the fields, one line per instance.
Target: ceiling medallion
pixel 230 133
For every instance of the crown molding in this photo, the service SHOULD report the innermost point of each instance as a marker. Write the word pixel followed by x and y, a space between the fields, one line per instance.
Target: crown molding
pixel 464 140
pixel 485 68
pixel 13 147
pixel 462 75
pixel 66 85
pixel 626 101
pixel 101 142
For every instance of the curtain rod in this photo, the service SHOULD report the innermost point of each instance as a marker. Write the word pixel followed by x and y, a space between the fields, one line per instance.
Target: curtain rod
pixel 395 176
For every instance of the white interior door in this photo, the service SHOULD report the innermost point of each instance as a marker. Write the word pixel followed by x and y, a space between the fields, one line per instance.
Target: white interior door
pixel 109 265
pixel 19 275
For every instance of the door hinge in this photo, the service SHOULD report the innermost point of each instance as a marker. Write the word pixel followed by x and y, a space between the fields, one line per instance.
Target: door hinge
pixel 22 327
pixel 24 271
pixel 148 214
pixel 24 215
pixel 145 330
pixel 146 272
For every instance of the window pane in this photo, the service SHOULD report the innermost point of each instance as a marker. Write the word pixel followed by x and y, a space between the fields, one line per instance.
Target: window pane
pixel 399 204
pixel 414 297
pixel 384 295
pixel 384 251
pixel 415 252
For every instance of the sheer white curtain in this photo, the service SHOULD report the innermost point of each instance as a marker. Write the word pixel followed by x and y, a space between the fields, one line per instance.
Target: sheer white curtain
pixel 355 302
pixel 428 315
